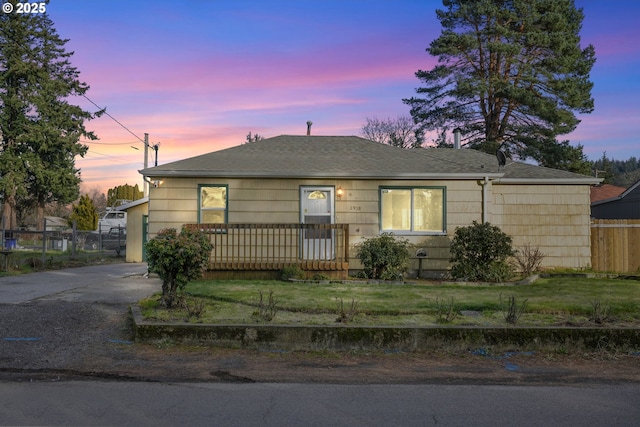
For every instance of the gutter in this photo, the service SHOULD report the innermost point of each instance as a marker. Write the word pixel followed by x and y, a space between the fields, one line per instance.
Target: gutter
pixel 319 175
pixel 550 181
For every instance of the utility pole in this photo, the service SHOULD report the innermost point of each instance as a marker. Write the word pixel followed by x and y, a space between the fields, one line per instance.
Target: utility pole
pixel 146 162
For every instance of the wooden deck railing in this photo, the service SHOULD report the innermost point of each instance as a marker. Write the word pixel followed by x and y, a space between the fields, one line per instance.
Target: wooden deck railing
pixel 319 247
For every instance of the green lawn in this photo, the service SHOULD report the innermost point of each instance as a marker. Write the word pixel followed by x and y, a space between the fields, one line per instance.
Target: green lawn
pixel 29 261
pixel 567 301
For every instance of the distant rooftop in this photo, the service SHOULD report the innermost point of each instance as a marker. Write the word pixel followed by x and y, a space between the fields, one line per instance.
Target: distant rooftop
pixel 605 191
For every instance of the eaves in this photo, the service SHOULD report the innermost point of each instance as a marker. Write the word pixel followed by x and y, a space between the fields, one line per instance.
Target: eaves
pixel 319 175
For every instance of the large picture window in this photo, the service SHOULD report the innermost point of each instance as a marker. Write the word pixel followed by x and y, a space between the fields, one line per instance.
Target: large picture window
pixel 212 201
pixel 413 210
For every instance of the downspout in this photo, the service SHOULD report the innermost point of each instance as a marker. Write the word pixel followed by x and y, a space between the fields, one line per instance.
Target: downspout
pixel 484 199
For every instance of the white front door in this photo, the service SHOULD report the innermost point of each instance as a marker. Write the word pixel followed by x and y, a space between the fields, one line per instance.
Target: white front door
pixel 316 207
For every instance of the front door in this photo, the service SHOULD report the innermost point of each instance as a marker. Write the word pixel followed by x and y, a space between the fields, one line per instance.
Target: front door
pixel 316 207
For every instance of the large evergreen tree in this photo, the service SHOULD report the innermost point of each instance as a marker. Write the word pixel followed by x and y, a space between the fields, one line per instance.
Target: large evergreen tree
pixel 40 128
pixel 509 72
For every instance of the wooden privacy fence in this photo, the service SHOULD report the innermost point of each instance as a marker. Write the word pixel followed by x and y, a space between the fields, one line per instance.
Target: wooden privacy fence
pixel 252 247
pixel 615 245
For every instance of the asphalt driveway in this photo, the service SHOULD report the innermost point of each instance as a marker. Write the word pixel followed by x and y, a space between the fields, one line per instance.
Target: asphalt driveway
pixel 110 283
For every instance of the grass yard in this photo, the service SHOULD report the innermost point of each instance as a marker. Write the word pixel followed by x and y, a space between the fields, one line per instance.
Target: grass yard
pixel 555 301
pixel 29 261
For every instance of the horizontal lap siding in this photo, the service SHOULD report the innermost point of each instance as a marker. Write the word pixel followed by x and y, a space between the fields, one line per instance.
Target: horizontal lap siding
pixel 554 218
pixel 272 201
pixel 172 204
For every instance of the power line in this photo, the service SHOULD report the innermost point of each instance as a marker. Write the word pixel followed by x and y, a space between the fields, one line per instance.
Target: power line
pixel 104 110
pixel 107 156
pixel 85 141
pixel 29 52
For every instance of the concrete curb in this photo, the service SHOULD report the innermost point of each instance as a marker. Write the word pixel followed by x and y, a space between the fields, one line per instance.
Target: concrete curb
pixel 380 338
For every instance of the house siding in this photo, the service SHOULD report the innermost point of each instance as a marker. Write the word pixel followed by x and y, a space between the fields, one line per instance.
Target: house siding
pixel 554 218
pixel 277 201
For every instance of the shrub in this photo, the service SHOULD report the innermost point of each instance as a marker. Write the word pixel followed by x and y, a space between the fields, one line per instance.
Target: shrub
pixel 384 257
pixel 292 272
pixel 480 252
pixel 84 214
pixel 446 311
pixel 177 259
pixel 266 310
pixel 511 310
pixel 528 259
pixel 194 307
pixel 347 314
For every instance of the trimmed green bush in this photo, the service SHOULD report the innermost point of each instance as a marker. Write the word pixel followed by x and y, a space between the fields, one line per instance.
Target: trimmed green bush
pixel 384 257
pixel 177 259
pixel 480 252
pixel 292 272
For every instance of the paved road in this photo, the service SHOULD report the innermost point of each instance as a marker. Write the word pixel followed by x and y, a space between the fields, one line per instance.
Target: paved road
pixel 100 284
pixel 206 404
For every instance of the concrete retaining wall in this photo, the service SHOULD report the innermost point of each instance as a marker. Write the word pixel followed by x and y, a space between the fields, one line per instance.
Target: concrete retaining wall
pixel 363 338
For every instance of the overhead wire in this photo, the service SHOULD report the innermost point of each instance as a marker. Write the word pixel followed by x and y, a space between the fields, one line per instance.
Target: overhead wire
pixel 100 109
pixel 104 111
pixel 86 141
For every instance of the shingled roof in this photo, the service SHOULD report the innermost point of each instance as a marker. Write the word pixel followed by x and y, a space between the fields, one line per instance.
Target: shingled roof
pixel 289 156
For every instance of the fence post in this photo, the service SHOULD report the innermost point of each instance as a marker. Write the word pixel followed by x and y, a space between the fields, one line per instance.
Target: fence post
pixel 44 241
pixel 74 236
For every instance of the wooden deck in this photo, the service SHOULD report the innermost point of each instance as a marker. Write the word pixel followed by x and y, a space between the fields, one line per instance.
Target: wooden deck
pixel 271 247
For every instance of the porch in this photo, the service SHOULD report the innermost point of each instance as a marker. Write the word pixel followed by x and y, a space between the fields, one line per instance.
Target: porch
pixel 262 250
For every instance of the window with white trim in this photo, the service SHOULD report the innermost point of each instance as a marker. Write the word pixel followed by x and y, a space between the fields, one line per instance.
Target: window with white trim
pixel 413 209
pixel 212 204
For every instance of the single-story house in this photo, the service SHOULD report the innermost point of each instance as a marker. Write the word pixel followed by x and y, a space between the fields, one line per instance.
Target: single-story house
pixel 624 204
pixel 55 223
pixel 309 200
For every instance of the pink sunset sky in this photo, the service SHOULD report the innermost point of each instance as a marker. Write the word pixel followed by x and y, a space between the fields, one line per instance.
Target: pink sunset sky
pixel 199 76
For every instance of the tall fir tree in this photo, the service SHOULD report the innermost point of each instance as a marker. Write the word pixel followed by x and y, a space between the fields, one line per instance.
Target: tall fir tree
pixel 510 73
pixel 40 129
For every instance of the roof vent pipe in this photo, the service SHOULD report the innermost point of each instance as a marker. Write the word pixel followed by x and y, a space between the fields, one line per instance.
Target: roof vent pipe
pixel 456 138
pixel 309 123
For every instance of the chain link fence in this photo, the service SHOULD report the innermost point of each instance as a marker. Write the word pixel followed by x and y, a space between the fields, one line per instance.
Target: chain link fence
pixel 39 248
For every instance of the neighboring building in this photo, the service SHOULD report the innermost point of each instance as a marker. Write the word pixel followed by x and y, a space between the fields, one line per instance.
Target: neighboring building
pixel 609 203
pixel 55 223
pixel 136 213
pixel 421 194
pixel 605 191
